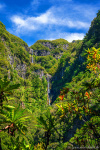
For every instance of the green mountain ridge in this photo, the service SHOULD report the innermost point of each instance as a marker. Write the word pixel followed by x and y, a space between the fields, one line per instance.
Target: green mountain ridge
pixel 65 75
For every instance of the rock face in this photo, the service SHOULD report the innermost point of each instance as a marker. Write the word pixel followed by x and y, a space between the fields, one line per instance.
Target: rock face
pixel 40 73
pixel 27 48
pixel 41 53
pixel 11 60
pixel 30 50
pixel 2 39
pixel 51 46
pixel 65 46
pixel 19 67
pixel 44 48
pixel 48 44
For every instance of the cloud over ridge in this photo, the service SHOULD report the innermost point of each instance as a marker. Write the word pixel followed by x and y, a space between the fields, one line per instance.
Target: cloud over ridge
pixel 67 19
pixel 47 18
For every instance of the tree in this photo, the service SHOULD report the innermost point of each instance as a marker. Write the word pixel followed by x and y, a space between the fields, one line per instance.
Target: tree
pixel 6 88
pixel 84 103
pixel 15 119
pixel 47 123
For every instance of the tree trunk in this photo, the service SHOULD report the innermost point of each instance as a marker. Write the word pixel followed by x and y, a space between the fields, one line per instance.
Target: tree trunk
pixel 0 144
pixel 47 136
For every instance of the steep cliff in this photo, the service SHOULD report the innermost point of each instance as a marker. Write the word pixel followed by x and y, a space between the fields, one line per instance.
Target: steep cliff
pixel 47 47
pixel 16 62
pixel 45 56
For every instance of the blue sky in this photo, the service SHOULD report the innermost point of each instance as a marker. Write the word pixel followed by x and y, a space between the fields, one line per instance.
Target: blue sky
pixel 33 20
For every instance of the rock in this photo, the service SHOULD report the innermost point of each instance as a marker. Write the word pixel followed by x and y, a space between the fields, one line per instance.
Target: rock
pixel 39 72
pixel 65 46
pixel 27 48
pixel 11 60
pixel 30 50
pixel 48 44
pixel 21 69
pixel 2 39
pixel 41 53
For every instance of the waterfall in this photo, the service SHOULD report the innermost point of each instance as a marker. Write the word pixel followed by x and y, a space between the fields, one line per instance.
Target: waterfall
pixel 9 77
pixel 48 80
pixel 42 73
pixel 32 55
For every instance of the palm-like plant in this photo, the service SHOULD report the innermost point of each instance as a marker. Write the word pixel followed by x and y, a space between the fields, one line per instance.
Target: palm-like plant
pixel 21 144
pixel 15 119
pixel 6 88
pixel 47 122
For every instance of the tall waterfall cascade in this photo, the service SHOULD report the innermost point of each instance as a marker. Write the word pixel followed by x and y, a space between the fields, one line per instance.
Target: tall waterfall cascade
pixel 9 77
pixel 48 80
pixel 32 55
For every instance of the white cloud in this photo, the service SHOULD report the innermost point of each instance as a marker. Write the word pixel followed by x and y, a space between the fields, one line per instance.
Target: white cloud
pixel 23 23
pixel 43 20
pixel 73 24
pixel 87 10
pixel 63 20
pixel 67 36
pixel 33 23
pixel 46 18
pixel 74 36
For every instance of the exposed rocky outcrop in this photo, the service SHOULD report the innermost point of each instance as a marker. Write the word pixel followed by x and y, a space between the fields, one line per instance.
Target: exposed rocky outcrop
pixel 52 46
pixel 41 53
pixel 21 68
pixel 11 60
pixel 44 48
pixel 27 48
pixel 30 50
pixel 48 44
pixel 65 46
pixel 40 73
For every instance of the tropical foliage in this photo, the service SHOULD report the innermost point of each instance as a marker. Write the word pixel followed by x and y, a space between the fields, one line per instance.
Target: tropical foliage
pixel 68 74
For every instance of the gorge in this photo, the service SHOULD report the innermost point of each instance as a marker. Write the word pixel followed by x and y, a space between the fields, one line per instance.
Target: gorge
pixel 50 92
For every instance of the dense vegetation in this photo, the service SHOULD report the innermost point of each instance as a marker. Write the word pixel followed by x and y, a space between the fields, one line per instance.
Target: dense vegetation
pixel 72 71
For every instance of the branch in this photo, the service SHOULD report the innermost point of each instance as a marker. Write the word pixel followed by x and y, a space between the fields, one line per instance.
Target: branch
pixel 4 128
